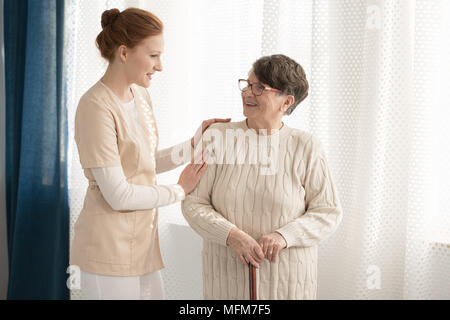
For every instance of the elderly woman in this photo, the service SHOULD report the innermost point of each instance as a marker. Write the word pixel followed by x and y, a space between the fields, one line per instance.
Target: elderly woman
pixel 246 213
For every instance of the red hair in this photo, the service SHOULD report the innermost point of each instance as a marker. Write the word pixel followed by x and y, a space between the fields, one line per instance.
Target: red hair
pixel 128 28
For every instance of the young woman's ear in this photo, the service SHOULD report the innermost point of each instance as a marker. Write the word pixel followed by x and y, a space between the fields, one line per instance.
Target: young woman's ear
pixel 122 50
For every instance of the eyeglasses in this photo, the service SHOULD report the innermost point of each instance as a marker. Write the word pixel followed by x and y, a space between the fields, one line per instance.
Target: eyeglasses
pixel 257 88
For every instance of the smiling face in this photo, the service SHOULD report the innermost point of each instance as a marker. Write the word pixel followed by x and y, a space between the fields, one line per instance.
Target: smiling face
pixel 144 60
pixel 269 107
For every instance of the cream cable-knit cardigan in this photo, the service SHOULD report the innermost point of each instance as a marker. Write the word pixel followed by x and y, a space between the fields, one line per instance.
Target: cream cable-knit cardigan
pixel 299 201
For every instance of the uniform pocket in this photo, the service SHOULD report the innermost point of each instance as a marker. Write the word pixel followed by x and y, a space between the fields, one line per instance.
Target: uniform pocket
pixel 95 203
pixel 111 237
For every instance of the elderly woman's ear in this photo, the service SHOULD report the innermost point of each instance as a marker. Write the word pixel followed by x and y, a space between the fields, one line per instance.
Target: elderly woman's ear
pixel 288 101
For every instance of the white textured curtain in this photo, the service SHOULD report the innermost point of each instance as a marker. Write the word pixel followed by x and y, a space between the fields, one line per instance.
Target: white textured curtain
pixel 379 79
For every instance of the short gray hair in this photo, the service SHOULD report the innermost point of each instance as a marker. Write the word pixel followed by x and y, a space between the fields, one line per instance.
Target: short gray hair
pixel 285 74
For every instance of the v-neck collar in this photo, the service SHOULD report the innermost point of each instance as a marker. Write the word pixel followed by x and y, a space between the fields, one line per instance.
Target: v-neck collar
pixel 141 123
pixel 115 96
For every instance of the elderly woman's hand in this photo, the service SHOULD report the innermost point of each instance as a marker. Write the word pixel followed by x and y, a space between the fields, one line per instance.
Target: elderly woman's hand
pixel 245 247
pixel 205 124
pixel 271 245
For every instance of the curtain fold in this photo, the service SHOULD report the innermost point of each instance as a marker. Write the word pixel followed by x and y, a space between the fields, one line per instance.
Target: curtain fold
pixel 3 238
pixel 36 143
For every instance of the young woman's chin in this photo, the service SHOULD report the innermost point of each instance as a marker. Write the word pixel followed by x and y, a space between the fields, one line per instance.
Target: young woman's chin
pixel 144 83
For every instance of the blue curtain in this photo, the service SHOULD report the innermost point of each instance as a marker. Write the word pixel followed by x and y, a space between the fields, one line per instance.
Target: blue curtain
pixel 36 150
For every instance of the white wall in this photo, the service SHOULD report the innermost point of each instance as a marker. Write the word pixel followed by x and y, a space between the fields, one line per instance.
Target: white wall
pixel 3 243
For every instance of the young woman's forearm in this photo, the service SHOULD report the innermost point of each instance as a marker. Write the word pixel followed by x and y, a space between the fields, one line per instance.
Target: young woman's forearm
pixel 122 195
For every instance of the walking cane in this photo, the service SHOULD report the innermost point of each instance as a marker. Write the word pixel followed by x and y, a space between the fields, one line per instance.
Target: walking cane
pixel 252 282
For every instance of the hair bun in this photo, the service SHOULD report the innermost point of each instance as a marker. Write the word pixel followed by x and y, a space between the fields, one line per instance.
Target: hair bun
pixel 109 16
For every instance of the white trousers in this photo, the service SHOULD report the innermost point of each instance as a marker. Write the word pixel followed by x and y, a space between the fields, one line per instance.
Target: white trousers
pixel 100 287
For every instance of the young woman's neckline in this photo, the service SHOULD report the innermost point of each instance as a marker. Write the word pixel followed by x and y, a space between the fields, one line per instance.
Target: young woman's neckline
pixel 115 96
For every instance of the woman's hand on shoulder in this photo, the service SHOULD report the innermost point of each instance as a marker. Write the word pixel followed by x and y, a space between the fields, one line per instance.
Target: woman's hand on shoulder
pixel 205 124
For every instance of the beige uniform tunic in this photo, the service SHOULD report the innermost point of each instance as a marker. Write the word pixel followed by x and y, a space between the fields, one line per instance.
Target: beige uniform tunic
pixel 121 243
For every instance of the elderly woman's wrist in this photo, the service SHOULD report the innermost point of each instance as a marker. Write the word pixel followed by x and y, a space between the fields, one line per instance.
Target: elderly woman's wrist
pixel 285 236
pixel 282 237
pixel 231 235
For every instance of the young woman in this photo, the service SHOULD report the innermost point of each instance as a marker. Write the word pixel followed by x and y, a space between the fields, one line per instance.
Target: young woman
pixel 116 242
